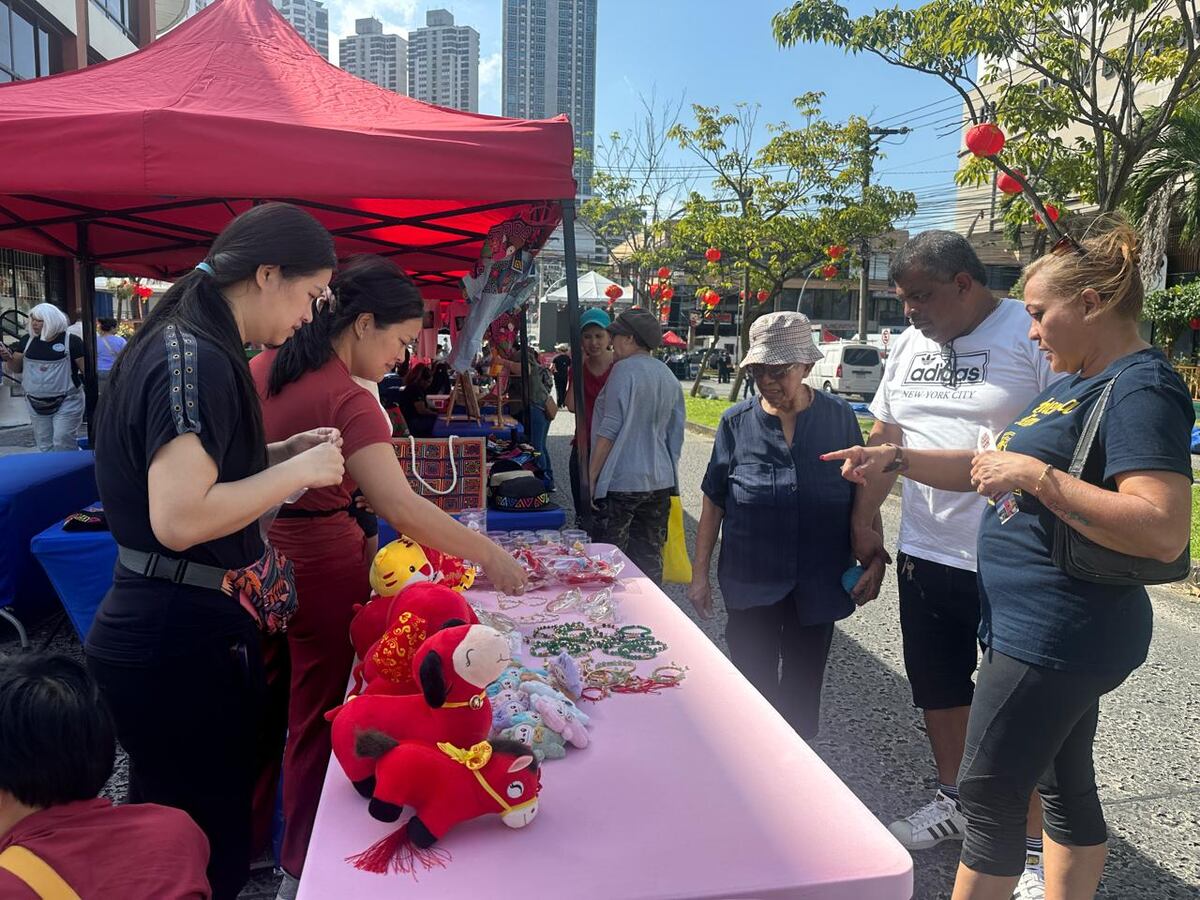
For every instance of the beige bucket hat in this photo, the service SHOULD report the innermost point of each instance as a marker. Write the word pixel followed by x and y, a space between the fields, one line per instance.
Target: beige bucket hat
pixel 780 339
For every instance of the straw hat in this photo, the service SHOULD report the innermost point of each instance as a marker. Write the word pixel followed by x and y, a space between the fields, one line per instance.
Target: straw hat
pixel 780 339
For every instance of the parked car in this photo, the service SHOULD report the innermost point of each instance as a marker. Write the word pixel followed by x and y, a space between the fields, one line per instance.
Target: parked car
pixel 848 367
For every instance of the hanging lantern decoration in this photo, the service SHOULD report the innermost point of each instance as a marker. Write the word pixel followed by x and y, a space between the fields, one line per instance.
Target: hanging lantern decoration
pixel 711 298
pixel 613 291
pixel 829 272
pixel 664 273
pixel 835 251
pixel 763 296
pixel 668 292
pixel 1195 323
pixel 712 254
pixel 1009 185
pixel 741 295
pixel 654 288
pixel 985 140
pixel 1051 211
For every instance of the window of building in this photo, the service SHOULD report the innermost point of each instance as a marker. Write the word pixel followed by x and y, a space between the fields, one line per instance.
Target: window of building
pixel 121 13
pixel 28 47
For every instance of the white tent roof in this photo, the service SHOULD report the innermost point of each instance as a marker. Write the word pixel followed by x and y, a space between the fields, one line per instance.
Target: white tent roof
pixel 592 286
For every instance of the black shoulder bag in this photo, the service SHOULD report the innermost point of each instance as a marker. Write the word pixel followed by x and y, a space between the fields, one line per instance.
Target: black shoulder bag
pixel 1086 560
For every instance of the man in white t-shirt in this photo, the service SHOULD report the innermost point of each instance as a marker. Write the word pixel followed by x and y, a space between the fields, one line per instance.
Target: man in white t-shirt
pixel 965 365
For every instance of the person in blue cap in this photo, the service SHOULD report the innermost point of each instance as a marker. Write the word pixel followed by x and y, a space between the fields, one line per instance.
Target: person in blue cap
pixel 598 361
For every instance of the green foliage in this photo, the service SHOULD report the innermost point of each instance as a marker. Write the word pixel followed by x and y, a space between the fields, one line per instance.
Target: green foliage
pixel 1053 65
pixel 705 412
pixel 1171 309
pixel 1173 166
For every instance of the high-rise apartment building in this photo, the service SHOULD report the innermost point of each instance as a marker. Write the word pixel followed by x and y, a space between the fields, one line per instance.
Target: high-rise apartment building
pixel 443 62
pixel 310 18
pixel 374 56
pixel 549 67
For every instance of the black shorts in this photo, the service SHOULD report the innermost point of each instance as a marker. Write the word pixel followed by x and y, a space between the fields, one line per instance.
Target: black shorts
pixel 939 621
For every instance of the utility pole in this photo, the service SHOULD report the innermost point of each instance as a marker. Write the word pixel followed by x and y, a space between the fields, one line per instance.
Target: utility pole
pixel 871 140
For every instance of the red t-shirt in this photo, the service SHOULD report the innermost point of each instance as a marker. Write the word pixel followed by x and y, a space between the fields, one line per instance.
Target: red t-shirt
pixel 140 851
pixel 325 398
pixel 592 386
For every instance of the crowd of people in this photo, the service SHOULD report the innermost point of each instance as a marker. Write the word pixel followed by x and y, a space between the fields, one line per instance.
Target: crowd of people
pixel 211 467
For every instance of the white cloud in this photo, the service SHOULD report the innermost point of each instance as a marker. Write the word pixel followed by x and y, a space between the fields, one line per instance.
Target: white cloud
pixel 489 84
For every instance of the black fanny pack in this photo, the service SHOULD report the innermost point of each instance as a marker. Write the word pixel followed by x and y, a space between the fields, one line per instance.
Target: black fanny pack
pixel 45 406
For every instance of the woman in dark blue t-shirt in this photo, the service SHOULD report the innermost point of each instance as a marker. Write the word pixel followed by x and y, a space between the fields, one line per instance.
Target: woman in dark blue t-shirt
pixel 1055 643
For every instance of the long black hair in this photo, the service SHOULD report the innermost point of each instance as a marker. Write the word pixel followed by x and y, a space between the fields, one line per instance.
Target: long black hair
pixel 273 234
pixel 366 284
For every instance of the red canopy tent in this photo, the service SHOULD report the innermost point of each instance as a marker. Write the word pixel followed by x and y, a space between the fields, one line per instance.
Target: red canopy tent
pixel 137 163
pixel 671 339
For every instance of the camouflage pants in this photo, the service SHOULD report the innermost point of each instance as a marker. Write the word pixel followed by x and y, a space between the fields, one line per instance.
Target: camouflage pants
pixel 637 523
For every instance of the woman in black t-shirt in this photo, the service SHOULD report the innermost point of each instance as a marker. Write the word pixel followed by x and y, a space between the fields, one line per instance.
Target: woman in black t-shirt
pixel 50 362
pixel 1055 643
pixel 184 474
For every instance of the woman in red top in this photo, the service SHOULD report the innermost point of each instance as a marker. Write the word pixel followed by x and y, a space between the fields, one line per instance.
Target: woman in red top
pixel 597 363
pixel 374 313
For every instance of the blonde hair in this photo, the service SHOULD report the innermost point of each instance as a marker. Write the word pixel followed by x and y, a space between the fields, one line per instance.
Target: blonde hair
pixel 54 320
pixel 1107 263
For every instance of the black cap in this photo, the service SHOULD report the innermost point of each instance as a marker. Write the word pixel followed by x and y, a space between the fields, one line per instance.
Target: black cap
pixel 640 325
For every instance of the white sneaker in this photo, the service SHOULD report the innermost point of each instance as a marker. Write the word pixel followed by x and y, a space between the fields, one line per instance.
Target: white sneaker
pixel 288 888
pixel 1032 885
pixel 933 823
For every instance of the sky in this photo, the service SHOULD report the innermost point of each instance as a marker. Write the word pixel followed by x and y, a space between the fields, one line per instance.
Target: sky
pixel 717 53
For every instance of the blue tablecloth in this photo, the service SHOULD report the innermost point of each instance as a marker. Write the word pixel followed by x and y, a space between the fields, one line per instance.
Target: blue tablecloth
pixel 80 566
pixel 36 490
pixel 468 428
pixel 551 519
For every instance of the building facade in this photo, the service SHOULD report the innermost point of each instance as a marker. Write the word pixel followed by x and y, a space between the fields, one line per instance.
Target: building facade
pixel 376 57
pixel 443 62
pixel 549 68
pixel 310 18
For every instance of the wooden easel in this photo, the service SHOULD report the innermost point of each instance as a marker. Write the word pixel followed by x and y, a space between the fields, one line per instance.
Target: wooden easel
pixel 463 389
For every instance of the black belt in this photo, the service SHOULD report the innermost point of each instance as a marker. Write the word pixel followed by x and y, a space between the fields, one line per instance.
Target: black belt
pixel 178 571
pixel 291 512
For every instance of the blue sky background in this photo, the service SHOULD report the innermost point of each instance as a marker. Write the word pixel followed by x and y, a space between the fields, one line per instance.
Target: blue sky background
pixel 717 53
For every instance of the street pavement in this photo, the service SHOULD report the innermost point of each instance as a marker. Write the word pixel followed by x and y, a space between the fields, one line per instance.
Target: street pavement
pixel 1146 749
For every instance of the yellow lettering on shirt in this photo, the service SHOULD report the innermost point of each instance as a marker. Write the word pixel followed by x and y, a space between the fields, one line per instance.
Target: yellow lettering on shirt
pixel 1047 408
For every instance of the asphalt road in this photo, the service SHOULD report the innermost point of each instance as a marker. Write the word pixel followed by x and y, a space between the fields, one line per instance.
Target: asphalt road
pixel 1147 747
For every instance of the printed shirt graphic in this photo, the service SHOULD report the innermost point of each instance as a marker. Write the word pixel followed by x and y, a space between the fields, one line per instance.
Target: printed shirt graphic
pixel 940 397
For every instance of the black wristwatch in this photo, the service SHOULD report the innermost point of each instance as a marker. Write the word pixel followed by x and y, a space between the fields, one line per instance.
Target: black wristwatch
pixel 899 462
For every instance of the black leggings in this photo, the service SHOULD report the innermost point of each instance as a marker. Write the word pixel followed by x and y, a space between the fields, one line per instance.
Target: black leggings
pixel 1030 726
pixel 192 726
pixel 762 637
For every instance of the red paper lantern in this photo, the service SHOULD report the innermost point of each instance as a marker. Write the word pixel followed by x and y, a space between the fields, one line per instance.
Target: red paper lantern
pixel 712 254
pixel 741 295
pixel 1009 185
pixel 836 251
pixel 763 296
pixel 1195 323
pixel 829 271
pixel 613 291
pixel 668 292
pixel 985 140
pixel 1051 211
pixel 654 289
pixel 664 273
pixel 711 298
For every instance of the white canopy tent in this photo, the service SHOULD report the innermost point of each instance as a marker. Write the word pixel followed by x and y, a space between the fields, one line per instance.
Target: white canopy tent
pixel 592 287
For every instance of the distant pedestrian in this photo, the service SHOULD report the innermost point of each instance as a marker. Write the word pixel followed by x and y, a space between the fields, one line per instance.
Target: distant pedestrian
pixel 723 369
pixel 637 436
pixel 50 363
pixel 562 372
pixel 109 344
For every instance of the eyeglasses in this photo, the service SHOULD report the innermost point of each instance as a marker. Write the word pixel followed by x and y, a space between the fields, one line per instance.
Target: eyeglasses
pixel 771 373
pixel 950 357
pixel 1067 243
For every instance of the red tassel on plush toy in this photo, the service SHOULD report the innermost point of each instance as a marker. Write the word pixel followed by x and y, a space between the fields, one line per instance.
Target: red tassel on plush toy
pixel 454 668
pixel 444 786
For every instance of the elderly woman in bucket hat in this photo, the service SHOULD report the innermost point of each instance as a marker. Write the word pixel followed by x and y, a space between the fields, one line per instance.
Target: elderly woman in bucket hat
pixel 785 521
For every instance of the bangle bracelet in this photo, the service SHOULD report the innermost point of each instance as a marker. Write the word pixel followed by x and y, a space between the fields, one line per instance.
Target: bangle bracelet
pixel 1037 485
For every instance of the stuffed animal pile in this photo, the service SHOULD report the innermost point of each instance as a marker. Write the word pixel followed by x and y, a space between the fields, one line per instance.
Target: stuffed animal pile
pixel 536 707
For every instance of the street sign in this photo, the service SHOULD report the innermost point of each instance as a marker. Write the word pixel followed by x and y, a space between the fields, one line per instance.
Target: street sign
pixel 725 318
pixel 694 319
pixel 886 334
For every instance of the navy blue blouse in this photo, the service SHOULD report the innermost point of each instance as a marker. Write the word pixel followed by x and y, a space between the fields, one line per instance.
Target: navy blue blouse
pixel 787 514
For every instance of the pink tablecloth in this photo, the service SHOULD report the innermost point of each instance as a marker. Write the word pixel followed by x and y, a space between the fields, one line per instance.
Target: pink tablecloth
pixel 700 791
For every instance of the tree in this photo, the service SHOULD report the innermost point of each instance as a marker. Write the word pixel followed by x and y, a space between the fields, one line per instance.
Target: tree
pixel 1044 70
pixel 1171 310
pixel 775 207
pixel 635 192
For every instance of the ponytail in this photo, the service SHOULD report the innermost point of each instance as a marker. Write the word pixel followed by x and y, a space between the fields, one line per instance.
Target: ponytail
pixel 372 285
pixel 1107 263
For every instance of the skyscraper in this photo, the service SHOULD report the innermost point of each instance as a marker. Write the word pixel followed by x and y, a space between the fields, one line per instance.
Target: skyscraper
pixel 550 67
pixel 310 18
pixel 443 62
pixel 377 57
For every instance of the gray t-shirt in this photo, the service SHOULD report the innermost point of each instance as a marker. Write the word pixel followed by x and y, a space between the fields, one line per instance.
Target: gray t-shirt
pixel 641 411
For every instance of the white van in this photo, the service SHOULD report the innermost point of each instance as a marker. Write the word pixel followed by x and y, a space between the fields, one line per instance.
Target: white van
pixel 848 367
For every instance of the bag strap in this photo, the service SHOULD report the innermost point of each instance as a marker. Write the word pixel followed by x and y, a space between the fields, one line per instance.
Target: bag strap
pixel 36 873
pixel 416 469
pixel 1092 427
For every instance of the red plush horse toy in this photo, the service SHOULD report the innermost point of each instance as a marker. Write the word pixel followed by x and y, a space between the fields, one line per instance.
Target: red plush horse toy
pixel 453 667
pixel 444 786
pixel 417 612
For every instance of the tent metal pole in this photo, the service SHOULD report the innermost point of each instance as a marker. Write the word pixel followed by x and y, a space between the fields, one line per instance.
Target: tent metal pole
pixel 573 313
pixel 87 310
pixel 526 390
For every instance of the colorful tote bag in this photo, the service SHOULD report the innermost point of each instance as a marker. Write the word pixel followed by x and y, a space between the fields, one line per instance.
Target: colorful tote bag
pixel 450 473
